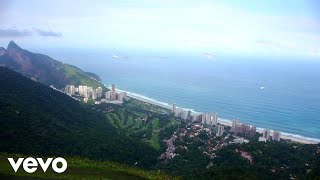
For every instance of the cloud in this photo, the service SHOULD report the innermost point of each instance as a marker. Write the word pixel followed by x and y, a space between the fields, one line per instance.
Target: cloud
pixel 269 44
pixel 48 33
pixel 10 33
pixel 14 33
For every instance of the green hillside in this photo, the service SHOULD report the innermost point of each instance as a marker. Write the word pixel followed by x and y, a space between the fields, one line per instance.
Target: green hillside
pixel 38 120
pixel 80 168
pixel 44 69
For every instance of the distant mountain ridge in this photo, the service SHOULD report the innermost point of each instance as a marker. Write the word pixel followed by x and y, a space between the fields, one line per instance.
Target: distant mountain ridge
pixel 45 69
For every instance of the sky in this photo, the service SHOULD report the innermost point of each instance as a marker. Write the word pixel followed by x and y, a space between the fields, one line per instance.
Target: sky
pixel 286 27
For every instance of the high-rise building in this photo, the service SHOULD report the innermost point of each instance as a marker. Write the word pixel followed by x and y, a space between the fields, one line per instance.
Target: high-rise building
pixel 235 124
pixel 80 90
pixel 113 96
pixel 266 134
pixel 276 135
pixel 113 88
pixel 177 112
pixel 208 119
pixel 108 95
pixel 99 92
pixel 72 89
pixel 113 93
pixel 67 89
pixel 121 96
pixel 220 130
pixel 194 118
pixel 215 119
pixel 93 95
pixel 245 129
pixel 85 91
pixel 203 118
pixel 174 108
pixel 184 114
pixel 90 91
pixel 189 114
pixel 253 131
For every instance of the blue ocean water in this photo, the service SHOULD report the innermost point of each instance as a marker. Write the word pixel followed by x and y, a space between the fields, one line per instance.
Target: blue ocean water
pixel 279 94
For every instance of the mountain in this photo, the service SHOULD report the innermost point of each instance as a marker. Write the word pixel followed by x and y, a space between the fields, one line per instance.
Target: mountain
pixel 44 69
pixel 38 120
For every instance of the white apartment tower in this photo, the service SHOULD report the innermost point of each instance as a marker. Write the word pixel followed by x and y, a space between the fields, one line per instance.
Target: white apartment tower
pixel 235 123
pixel 174 108
pixel 220 130
pixel 266 134
pixel 215 119
pixel 276 136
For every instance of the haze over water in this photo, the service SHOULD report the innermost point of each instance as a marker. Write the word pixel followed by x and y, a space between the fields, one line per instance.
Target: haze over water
pixel 266 92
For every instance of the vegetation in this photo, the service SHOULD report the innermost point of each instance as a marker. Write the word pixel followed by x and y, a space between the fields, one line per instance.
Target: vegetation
pixel 38 120
pixel 78 77
pixel 46 70
pixel 139 121
pixel 82 168
pixel 270 160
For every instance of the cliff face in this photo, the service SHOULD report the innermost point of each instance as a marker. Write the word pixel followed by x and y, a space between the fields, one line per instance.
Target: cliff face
pixel 43 68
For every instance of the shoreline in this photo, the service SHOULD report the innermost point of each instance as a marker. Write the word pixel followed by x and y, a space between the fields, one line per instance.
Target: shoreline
pixel 225 122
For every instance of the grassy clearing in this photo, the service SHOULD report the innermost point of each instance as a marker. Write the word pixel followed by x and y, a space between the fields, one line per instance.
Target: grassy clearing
pixel 80 168
pixel 155 142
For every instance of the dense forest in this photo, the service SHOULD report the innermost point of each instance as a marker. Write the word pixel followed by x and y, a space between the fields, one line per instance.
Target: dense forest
pixel 36 119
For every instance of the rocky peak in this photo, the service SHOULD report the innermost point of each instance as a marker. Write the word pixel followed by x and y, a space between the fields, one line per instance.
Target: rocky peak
pixel 12 45
pixel 2 51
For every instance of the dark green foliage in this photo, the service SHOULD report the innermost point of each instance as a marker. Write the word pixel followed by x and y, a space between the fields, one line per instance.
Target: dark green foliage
pixel 271 160
pixel 80 168
pixel 38 120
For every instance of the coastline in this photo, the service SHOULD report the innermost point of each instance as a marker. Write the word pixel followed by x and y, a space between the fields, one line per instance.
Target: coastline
pixel 225 122
pixel 284 135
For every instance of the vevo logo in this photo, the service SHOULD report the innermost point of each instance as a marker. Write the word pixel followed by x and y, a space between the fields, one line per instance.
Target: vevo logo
pixel 30 164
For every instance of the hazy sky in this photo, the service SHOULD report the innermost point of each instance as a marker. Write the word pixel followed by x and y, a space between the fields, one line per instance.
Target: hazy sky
pixel 286 27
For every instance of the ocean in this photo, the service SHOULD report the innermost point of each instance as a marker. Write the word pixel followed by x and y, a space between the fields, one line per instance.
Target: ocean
pixel 275 93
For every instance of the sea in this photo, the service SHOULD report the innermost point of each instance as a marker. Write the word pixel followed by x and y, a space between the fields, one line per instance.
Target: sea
pixel 277 93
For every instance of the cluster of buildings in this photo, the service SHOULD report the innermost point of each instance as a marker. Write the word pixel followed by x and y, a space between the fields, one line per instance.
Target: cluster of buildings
pixel 86 91
pixel 90 93
pixel 276 135
pixel 181 113
pixel 248 130
pixel 205 118
pixel 212 120
pixel 169 154
pixel 115 96
pixel 243 128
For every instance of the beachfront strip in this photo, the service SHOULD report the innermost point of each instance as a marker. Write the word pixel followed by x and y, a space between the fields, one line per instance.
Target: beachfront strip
pixel 266 133
pixel 212 120
pixel 116 96
pixel 87 93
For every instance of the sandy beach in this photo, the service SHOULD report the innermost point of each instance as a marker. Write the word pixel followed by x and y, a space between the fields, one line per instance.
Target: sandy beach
pixel 225 122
